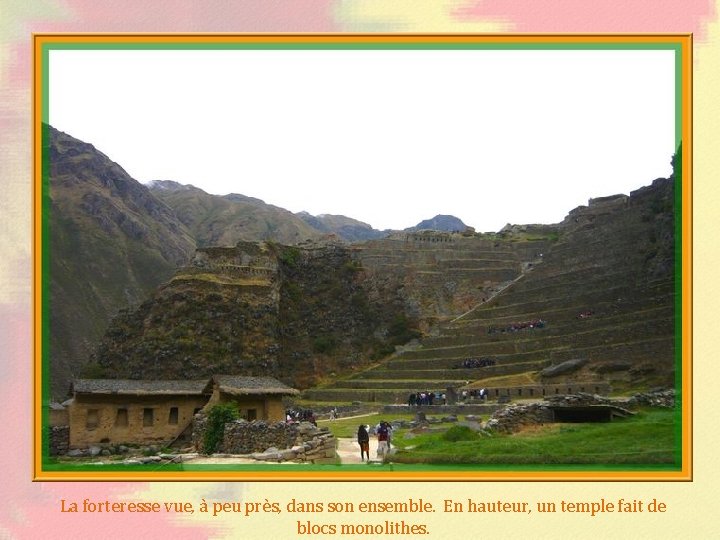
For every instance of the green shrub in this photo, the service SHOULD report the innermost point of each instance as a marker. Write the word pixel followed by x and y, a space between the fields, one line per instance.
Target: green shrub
pixel 293 291
pixel 324 344
pixel 351 267
pixel 93 370
pixel 401 331
pixel 290 256
pixel 459 433
pixel 218 416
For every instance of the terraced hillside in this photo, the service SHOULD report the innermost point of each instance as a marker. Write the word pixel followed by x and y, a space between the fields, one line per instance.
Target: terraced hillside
pixel 595 311
pixel 443 275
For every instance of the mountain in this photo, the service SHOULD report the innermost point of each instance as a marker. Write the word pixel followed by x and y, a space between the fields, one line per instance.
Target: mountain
pixel 121 273
pixel 111 242
pixel 595 291
pixel 216 220
pixel 440 223
pixel 299 314
pixel 346 228
pixel 591 308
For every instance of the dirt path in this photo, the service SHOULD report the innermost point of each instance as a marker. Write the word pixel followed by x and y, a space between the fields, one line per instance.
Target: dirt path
pixel 348 450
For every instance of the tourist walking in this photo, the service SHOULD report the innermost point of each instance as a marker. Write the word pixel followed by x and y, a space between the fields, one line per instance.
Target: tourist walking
pixel 363 439
pixel 382 436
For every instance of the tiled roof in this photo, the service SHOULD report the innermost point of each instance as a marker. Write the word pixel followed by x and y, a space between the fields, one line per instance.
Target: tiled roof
pixel 140 387
pixel 238 385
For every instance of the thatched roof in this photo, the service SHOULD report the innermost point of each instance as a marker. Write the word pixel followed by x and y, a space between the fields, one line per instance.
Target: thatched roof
pixel 140 387
pixel 239 386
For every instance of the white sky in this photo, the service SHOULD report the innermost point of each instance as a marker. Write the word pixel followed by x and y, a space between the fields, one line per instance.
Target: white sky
pixel 386 137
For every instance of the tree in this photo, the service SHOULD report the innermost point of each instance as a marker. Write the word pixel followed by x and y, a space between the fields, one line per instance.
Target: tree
pixel 218 416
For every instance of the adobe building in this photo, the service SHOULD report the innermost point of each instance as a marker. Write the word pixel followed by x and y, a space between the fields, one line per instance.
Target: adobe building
pixel 108 411
pixel 257 398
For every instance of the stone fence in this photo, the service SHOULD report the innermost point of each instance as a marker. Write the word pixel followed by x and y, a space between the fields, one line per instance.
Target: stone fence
pixel 242 437
pixel 301 442
pixel 469 408
pixel 59 440
pixel 547 390
pixel 232 271
pixel 266 441
pixel 514 417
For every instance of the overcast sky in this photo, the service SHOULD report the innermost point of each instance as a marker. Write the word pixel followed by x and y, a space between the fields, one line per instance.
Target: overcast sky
pixel 386 137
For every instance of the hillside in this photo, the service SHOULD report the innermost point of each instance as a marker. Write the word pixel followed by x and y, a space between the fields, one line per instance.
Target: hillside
pixel 344 227
pixel 271 292
pixel 600 284
pixel 300 314
pixel 594 311
pixel 215 220
pixel 111 243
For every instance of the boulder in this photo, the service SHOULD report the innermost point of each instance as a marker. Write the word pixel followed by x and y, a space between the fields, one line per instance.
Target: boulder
pixel 564 368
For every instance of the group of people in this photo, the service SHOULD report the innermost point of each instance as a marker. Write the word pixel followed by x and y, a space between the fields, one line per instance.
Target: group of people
pixel 426 398
pixel 293 416
pixel 475 393
pixel 383 431
pixel 476 363
pixel 514 327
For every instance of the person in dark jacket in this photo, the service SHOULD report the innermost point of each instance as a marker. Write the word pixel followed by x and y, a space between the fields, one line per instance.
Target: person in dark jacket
pixel 364 441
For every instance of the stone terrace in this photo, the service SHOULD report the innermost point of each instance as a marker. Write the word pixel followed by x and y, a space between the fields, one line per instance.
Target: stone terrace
pixel 605 291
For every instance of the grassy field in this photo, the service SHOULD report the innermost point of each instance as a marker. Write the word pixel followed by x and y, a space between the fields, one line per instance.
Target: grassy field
pixel 647 438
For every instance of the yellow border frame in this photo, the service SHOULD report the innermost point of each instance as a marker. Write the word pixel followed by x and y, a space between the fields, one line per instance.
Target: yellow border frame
pixel 685 43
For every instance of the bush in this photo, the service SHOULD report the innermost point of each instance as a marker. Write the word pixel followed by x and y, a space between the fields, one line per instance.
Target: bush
pixel 218 416
pixel 400 330
pixel 93 371
pixel 352 267
pixel 459 433
pixel 324 344
pixel 290 256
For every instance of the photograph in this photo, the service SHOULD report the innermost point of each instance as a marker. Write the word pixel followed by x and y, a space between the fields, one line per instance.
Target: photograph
pixel 362 257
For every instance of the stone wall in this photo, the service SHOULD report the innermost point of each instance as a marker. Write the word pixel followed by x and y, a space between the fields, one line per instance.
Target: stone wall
pixel 469 408
pixel 514 417
pixel 495 393
pixel 656 398
pixel 199 425
pixel 547 390
pixel 243 437
pixel 59 440
pixel 268 441
pixel 653 398
pixel 279 441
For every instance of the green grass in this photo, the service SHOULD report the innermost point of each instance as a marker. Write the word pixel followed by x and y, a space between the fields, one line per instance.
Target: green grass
pixel 646 438
pixel 348 427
